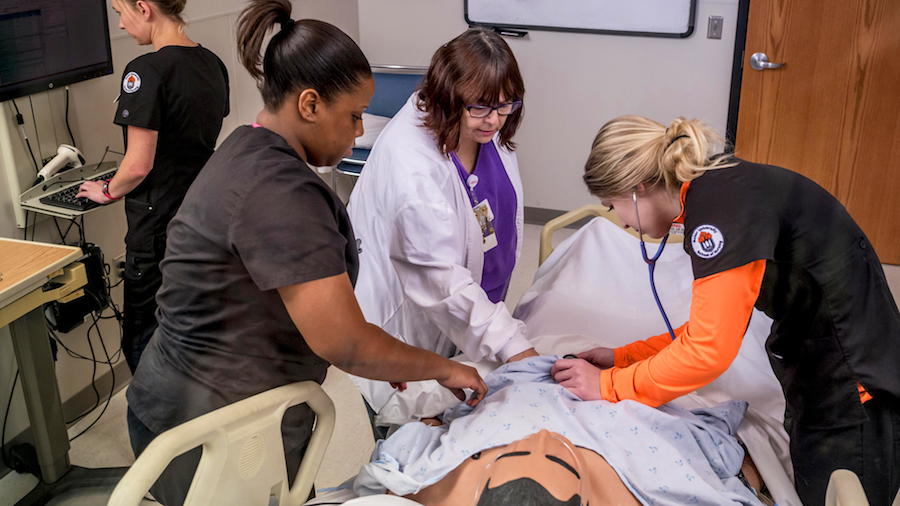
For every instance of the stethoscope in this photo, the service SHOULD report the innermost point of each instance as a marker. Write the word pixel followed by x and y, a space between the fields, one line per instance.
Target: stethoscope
pixel 651 263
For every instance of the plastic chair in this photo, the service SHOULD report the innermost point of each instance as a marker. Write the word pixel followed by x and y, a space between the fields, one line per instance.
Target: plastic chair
pixel 243 452
pixel 844 489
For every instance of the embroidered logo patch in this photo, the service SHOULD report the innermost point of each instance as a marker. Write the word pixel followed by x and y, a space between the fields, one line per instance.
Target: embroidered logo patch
pixel 707 241
pixel 131 83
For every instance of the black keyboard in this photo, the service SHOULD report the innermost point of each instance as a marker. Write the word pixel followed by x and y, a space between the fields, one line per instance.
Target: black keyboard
pixel 66 198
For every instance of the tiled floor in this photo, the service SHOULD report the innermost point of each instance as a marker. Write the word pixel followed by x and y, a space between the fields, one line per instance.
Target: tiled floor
pixel 106 444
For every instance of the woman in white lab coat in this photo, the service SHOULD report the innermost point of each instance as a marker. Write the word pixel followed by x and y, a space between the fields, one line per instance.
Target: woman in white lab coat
pixel 438 211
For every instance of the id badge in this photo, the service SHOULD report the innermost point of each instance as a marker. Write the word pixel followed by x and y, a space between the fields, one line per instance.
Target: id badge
pixel 485 217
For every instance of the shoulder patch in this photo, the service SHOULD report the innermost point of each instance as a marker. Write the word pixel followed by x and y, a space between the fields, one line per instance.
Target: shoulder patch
pixel 131 83
pixel 707 241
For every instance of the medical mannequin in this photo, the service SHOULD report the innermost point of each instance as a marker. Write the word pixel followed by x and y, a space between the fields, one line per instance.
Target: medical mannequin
pixel 438 211
pixel 758 236
pixel 571 471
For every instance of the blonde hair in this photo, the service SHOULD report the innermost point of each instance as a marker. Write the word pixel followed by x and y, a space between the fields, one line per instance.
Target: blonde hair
pixel 170 8
pixel 631 150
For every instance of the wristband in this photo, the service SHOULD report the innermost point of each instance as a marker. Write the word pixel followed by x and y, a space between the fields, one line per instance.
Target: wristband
pixel 106 191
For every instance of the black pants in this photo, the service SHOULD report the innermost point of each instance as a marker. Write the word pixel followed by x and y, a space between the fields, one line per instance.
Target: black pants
pixel 173 484
pixel 871 450
pixel 378 432
pixel 142 280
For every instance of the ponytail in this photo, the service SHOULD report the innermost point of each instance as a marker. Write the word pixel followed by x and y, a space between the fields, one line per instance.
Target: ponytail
pixel 304 54
pixel 632 150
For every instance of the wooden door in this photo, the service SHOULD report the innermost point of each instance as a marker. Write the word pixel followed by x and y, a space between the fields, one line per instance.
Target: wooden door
pixel 832 112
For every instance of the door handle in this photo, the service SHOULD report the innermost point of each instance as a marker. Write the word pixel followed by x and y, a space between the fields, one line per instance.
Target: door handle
pixel 759 61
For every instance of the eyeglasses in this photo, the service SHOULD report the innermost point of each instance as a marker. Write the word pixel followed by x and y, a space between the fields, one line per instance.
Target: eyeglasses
pixel 483 111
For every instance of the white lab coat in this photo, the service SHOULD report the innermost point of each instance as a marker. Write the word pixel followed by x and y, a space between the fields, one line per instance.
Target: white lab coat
pixel 421 251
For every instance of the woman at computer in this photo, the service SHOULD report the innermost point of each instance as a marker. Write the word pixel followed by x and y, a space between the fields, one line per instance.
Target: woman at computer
pixel 258 278
pixel 438 211
pixel 171 104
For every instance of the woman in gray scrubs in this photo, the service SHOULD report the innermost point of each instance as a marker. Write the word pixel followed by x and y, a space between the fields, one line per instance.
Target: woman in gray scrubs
pixel 261 259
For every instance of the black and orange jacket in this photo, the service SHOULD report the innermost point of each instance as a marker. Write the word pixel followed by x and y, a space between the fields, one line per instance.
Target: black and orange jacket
pixel 765 237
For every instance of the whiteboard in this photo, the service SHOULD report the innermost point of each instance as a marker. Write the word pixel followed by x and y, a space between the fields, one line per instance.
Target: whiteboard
pixel 655 18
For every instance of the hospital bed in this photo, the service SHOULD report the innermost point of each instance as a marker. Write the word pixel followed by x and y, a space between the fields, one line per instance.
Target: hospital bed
pixel 591 291
pixel 393 86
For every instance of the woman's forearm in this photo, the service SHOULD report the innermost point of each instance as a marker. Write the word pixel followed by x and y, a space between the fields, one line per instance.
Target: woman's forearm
pixel 127 178
pixel 138 161
pixel 378 356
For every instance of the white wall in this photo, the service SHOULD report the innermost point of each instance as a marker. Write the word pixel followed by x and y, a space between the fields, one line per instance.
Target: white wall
pixel 574 82
pixel 210 23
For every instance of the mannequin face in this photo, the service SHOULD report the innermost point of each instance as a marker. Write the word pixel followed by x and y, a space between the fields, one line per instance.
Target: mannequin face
pixel 657 208
pixel 546 458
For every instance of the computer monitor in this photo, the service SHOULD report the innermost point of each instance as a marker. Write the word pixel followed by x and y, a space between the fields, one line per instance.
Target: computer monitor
pixel 45 44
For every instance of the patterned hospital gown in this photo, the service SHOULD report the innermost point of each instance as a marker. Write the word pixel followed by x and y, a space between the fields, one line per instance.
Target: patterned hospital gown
pixel 665 456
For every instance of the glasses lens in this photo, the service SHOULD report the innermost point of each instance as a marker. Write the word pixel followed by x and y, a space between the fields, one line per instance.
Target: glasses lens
pixel 507 109
pixel 479 111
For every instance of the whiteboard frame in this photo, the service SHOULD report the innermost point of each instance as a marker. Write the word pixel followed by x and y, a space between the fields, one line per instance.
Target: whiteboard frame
pixel 691 23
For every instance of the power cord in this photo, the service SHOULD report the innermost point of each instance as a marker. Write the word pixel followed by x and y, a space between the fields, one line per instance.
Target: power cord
pixel 112 389
pixel 67 118
pixel 5 417
pixel 21 122
pixel 36 133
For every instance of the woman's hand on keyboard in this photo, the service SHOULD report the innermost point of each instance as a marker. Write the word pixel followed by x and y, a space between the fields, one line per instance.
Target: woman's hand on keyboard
pixel 93 190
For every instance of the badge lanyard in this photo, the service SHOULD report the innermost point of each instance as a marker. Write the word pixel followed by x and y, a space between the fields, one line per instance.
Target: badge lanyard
pixel 471 183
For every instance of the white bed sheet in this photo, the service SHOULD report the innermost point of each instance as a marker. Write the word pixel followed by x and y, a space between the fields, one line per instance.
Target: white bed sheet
pixel 594 291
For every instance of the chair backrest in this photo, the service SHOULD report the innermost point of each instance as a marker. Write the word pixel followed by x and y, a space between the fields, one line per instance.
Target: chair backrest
pixel 243 453
pixel 393 86
pixel 844 489
pixel 586 211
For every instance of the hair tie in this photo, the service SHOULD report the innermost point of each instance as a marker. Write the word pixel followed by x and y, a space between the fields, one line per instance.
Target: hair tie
pixel 682 136
pixel 287 23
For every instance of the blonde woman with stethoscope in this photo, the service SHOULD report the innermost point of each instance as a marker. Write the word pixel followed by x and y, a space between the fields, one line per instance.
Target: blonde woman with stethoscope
pixel 765 237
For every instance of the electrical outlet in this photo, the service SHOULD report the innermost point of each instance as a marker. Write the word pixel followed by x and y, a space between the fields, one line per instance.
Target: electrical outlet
pixel 714 30
pixel 117 269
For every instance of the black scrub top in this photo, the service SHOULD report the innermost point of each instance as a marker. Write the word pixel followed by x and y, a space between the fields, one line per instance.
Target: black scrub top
pixel 182 93
pixel 257 218
pixel 835 320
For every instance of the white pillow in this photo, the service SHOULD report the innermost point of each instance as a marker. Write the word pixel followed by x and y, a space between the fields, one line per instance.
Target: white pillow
pixel 373 125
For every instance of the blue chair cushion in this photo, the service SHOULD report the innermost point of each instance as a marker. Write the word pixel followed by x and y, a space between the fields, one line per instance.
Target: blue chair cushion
pixel 391 92
pixel 354 163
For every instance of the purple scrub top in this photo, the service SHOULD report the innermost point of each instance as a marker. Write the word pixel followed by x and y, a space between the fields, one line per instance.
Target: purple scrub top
pixel 495 186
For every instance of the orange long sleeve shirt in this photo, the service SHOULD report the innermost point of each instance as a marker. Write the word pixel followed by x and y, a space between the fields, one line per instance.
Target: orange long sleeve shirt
pixel 658 370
